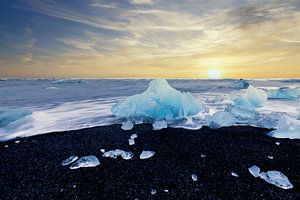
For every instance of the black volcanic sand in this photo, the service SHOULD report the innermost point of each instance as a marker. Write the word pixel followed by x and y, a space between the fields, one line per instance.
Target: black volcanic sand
pixel 32 168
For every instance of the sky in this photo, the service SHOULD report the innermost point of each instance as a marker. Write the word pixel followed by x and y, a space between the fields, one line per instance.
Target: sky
pixel 150 38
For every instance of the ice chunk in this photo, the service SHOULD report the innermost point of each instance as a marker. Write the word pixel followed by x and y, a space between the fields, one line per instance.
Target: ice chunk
pixel 17 141
pixel 276 178
pixel 255 171
pixel 69 160
pixel 147 154
pixel 133 136
pixel 284 93
pixel 241 84
pixel 241 114
pixel 203 156
pixel 220 119
pixel 158 125
pixel 153 191
pixel 131 141
pixel 102 150
pixel 9 116
pixel 234 174
pixel 270 157
pixel 126 126
pixel 252 99
pixel 194 177
pixel 277 143
pixel 287 128
pixel 159 102
pixel 86 161
pixel 126 155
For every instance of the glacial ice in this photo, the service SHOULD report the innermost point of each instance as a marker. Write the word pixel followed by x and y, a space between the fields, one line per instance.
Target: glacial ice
pixel 86 161
pixel 147 154
pixel 220 119
pixel 242 115
pixel 255 171
pixel 126 155
pixel 276 178
pixel 284 93
pixel 9 116
pixel 158 125
pixel 241 84
pixel 287 128
pixel 159 102
pixel 126 126
pixel 69 160
pixel 253 98
pixel 194 177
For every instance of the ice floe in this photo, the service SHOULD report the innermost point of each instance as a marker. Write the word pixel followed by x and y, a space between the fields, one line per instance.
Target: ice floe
pixel 147 154
pixel 126 155
pixel 273 177
pixel 159 102
pixel 158 125
pixel 86 161
pixel 69 160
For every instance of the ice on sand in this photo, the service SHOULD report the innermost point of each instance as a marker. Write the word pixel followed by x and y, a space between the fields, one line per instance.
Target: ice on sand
pixel 159 102
pixel 273 177
pixel 126 155
pixel 133 136
pixel 126 126
pixel 131 142
pixel 252 98
pixel 86 161
pixel 242 115
pixel 158 125
pixel 194 177
pixel 220 119
pixel 255 171
pixel 234 174
pixel 147 154
pixel 276 178
pixel 287 127
pixel 69 160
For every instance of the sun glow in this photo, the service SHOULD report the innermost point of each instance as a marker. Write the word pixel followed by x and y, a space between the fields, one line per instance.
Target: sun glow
pixel 214 74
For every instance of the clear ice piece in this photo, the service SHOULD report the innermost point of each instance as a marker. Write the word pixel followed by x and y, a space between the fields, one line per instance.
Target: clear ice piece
pixel 276 178
pixel 147 154
pixel 255 171
pixel 69 160
pixel 86 161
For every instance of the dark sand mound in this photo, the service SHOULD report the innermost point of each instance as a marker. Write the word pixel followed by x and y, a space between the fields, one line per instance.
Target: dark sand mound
pixel 31 169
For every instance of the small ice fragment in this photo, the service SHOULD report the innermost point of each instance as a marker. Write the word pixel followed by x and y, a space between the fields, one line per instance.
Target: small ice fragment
pixel 131 141
pixel 255 171
pixel 126 126
pixel 86 161
pixel 102 150
pixel 166 190
pixel 158 125
pixel 203 156
pixel 74 186
pixel 6 146
pixel 270 157
pixel 147 154
pixel 17 141
pixel 133 136
pixel 234 174
pixel 69 160
pixel 194 177
pixel 276 178
pixel 277 143
pixel 153 191
pixel 118 152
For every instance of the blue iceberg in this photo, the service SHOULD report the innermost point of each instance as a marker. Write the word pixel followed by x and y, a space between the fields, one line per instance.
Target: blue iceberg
pixel 253 98
pixel 284 93
pixel 159 102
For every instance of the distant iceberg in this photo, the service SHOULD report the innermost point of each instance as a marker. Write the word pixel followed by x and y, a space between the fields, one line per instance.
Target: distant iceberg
pixel 253 98
pixel 68 80
pixel 241 84
pixel 284 93
pixel 159 102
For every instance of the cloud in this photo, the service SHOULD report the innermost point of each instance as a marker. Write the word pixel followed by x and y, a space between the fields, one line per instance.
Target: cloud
pixel 142 1
pixel 26 58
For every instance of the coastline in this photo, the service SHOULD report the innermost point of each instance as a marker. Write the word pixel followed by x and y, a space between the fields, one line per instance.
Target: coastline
pixel 31 169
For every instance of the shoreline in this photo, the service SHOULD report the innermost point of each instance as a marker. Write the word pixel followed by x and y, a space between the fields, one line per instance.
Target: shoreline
pixel 31 169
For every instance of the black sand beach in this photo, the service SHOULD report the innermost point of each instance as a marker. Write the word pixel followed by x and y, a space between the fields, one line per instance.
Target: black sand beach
pixel 32 168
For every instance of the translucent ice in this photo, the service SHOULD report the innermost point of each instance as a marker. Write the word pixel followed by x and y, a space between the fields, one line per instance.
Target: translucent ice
pixel 194 177
pixel 147 154
pixel 276 178
pixel 241 84
pixel 241 114
pixel 234 174
pixel 284 93
pixel 159 102
pixel 158 125
pixel 153 191
pixel 287 127
pixel 252 99
pixel 255 171
pixel 131 141
pixel 126 155
pixel 126 126
pixel 86 161
pixel 220 119
pixel 69 160
pixel 9 116
pixel 133 136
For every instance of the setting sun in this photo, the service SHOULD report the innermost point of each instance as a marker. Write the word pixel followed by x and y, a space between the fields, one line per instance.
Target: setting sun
pixel 214 74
